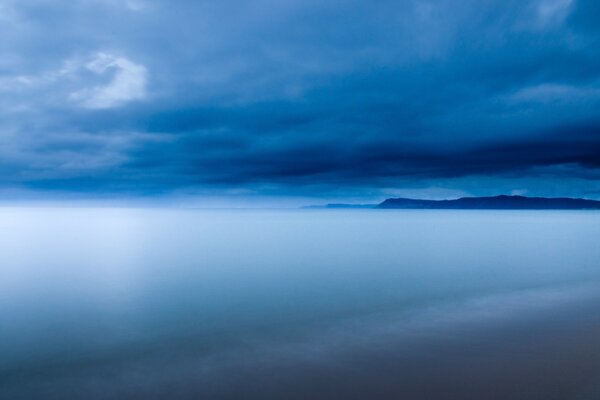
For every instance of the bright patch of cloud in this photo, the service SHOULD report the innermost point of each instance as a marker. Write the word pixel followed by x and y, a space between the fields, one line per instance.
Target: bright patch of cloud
pixel 135 5
pixel 6 11
pixel 519 192
pixel 552 12
pixel 128 83
pixel 552 92
pixel 132 5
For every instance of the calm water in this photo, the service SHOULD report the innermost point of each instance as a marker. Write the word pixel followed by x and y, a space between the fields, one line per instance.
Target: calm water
pixel 193 304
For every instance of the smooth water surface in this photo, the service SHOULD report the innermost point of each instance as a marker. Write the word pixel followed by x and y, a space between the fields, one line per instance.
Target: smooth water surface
pixel 274 304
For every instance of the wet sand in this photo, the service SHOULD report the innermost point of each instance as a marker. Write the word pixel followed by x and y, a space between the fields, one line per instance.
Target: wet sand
pixel 538 344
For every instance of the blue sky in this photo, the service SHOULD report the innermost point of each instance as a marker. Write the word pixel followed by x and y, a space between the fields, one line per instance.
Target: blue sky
pixel 298 101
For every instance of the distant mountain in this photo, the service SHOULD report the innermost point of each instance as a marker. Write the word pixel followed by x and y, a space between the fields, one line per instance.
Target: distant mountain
pixel 494 203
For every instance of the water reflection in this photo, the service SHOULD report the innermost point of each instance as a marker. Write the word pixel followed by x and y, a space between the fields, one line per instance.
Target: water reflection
pixel 298 304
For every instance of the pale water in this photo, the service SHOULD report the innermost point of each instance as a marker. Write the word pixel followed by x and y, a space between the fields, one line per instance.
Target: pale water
pixel 274 304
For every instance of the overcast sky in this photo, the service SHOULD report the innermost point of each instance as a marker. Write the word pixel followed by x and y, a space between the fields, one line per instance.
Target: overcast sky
pixel 299 99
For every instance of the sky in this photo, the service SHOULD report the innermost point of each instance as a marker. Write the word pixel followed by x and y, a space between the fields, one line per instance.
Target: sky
pixel 298 101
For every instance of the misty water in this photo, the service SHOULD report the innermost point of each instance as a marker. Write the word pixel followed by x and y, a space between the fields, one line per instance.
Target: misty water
pixel 299 304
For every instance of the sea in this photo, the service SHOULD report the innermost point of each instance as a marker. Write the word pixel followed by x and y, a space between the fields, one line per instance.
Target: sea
pixel 107 303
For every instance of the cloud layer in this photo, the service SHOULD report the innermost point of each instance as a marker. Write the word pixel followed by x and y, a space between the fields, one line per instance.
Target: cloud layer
pixel 300 98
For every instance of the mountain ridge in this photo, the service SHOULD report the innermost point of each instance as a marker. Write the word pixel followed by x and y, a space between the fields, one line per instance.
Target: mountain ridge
pixel 501 202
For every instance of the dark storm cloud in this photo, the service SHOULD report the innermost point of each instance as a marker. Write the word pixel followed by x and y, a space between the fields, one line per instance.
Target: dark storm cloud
pixel 147 96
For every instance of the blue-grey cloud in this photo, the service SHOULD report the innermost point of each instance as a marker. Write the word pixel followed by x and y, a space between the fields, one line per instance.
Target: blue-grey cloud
pixel 299 97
